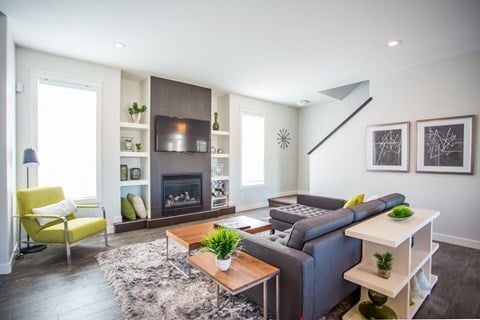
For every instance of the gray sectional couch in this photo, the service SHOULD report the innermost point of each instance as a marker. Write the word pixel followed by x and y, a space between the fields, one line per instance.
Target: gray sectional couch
pixel 312 253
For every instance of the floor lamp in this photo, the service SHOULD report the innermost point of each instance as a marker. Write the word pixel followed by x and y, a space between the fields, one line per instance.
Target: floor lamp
pixel 30 159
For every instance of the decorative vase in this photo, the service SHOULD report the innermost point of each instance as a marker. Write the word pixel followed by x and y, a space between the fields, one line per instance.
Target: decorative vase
pixel 136 117
pixel 376 308
pixel 215 125
pixel 223 265
pixel 384 273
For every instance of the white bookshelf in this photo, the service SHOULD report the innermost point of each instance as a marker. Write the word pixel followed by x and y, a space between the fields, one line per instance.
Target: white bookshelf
pixel 135 88
pixel 410 242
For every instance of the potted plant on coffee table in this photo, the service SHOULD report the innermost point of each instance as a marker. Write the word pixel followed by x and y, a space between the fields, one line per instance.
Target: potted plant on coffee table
pixel 222 242
pixel 384 263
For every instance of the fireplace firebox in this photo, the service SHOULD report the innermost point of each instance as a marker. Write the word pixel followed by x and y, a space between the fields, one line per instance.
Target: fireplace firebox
pixel 181 194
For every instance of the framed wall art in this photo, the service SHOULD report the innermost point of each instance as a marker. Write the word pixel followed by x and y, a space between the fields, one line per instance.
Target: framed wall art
pixel 445 145
pixel 387 147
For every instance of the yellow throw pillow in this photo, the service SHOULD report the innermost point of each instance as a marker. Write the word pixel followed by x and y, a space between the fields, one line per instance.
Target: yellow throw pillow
pixel 354 200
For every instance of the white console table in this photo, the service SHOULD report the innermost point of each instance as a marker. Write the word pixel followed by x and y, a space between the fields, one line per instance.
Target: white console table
pixel 410 242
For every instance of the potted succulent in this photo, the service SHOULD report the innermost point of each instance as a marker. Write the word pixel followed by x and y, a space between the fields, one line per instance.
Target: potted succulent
pixel 136 112
pixel 222 242
pixel 384 263
pixel 138 146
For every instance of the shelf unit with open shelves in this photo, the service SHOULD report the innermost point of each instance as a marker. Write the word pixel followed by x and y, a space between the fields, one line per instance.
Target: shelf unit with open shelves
pixel 135 88
pixel 410 242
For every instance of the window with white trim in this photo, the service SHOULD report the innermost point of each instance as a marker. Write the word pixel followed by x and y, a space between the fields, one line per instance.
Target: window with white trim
pixel 253 146
pixel 68 137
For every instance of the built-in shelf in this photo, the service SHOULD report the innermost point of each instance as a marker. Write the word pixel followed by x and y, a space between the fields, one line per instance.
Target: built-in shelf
pixel 132 125
pixel 130 154
pixel 141 182
pixel 220 155
pixel 217 178
pixel 220 133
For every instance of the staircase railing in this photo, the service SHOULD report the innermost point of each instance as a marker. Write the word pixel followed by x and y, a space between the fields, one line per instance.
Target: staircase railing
pixel 340 125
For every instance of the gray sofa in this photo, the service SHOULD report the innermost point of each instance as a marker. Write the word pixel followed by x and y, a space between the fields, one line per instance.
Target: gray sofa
pixel 313 254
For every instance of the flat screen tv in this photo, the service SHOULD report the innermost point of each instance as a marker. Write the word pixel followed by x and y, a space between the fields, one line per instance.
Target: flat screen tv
pixel 181 135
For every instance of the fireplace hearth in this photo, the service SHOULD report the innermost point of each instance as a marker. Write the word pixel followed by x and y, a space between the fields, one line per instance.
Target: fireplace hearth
pixel 181 194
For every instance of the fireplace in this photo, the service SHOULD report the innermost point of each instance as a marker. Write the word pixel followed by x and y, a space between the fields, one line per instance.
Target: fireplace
pixel 181 194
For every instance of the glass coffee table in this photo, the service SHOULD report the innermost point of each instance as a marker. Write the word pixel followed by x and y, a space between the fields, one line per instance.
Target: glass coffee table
pixel 190 237
pixel 244 273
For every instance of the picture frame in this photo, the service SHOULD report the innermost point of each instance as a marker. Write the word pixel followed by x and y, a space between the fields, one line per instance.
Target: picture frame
pixel 445 145
pixel 126 144
pixel 388 147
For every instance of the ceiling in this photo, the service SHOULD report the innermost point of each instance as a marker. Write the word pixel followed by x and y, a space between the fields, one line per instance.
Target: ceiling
pixel 277 50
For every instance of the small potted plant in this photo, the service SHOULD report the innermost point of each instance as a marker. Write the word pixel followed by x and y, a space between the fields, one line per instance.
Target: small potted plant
pixel 136 112
pixel 384 263
pixel 222 242
pixel 138 146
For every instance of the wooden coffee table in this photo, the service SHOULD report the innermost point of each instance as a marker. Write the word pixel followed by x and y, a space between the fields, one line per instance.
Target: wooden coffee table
pixel 244 273
pixel 190 237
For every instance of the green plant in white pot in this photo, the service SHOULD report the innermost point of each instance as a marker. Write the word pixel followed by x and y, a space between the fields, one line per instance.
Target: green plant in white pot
pixel 222 242
pixel 384 263
pixel 136 112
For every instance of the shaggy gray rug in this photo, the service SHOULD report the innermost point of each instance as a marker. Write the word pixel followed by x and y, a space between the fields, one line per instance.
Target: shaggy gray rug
pixel 148 288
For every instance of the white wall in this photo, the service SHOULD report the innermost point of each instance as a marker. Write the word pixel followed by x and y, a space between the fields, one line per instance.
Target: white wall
pixel 280 164
pixel 443 89
pixel 7 146
pixel 316 122
pixel 28 61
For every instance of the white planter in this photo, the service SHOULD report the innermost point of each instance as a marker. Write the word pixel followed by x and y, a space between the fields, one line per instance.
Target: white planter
pixel 136 117
pixel 223 265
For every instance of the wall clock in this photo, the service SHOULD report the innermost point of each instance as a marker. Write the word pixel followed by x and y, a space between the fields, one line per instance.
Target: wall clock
pixel 283 138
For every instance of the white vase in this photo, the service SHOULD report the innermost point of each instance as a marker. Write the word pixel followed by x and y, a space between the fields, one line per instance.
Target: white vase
pixel 136 117
pixel 223 265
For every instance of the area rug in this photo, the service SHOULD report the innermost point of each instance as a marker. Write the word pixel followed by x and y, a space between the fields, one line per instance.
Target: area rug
pixel 147 287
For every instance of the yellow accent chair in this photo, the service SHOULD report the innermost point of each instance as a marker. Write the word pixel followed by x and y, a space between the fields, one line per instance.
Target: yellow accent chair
pixel 65 229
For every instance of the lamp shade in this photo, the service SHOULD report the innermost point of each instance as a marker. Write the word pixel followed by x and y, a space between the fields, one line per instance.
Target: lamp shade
pixel 30 158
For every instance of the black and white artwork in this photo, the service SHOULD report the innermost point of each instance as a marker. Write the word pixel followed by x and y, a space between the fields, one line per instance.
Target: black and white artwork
pixel 445 145
pixel 387 147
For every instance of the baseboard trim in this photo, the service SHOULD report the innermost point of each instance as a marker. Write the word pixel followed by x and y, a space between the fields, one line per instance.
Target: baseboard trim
pixel 252 206
pixel 475 244
pixel 7 268
pixel 283 194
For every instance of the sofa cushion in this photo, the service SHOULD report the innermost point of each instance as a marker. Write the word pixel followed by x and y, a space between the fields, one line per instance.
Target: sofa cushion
pixel 279 237
pixel 367 209
pixel 295 212
pixel 392 200
pixel 327 203
pixel 311 228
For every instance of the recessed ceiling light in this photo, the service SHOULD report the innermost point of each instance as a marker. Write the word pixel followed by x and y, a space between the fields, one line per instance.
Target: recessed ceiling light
pixel 303 103
pixel 264 85
pixel 394 43
pixel 119 45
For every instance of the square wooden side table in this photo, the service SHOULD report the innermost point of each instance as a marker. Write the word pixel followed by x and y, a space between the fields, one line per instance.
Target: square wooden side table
pixel 244 273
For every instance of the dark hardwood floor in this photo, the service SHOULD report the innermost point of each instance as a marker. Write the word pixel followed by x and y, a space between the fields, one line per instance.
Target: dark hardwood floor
pixel 42 286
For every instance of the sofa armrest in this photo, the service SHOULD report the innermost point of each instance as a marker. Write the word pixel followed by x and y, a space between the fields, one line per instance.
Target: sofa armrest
pixel 296 276
pixel 320 201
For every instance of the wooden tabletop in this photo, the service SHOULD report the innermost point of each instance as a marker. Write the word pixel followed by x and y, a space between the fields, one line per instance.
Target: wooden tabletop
pixel 244 272
pixel 191 236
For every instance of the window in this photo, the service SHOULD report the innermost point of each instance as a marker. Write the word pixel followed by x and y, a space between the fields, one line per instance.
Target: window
pixel 68 138
pixel 253 147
